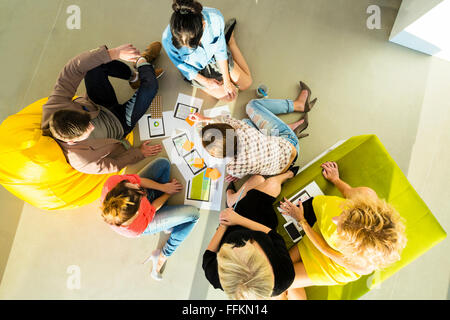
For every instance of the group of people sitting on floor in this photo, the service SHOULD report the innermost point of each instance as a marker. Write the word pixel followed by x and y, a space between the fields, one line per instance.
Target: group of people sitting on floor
pixel 346 237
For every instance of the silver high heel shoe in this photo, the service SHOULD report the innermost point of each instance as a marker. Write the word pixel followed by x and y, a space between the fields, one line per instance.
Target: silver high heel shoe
pixel 154 258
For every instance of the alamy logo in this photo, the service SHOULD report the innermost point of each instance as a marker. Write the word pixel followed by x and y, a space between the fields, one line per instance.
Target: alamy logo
pixel 74 20
pixel 374 20
pixel 74 280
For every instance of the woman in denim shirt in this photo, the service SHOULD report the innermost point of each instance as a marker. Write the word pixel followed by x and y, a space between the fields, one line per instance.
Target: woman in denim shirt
pixel 204 49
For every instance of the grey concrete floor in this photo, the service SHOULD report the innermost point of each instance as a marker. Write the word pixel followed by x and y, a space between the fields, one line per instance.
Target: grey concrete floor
pixel 365 84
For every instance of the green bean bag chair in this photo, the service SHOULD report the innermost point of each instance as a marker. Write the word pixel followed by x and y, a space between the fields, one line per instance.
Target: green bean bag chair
pixel 363 161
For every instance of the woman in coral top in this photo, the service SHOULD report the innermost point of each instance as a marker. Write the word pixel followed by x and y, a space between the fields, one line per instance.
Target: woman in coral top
pixel 134 205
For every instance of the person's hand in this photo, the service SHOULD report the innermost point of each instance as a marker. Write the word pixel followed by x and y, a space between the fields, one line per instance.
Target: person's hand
pixel 230 90
pixel 126 52
pixel 212 84
pixel 330 171
pixel 228 217
pixel 230 178
pixel 149 150
pixel 172 187
pixel 197 117
pixel 292 210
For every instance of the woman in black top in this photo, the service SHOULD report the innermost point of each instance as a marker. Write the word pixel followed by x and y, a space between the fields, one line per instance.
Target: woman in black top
pixel 246 257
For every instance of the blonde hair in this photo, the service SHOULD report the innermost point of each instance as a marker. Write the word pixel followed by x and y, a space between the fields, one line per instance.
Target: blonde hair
pixel 370 232
pixel 121 204
pixel 244 274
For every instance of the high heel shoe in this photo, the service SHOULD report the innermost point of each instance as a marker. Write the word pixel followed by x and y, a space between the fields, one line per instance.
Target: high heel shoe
pixel 298 131
pixel 294 170
pixel 308 104
pixel 228 29
pixel 154 258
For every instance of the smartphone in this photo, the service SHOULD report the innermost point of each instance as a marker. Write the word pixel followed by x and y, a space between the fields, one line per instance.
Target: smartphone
pixel 294 231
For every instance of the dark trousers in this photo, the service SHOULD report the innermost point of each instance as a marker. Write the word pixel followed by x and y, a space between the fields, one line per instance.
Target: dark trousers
pixel 100 91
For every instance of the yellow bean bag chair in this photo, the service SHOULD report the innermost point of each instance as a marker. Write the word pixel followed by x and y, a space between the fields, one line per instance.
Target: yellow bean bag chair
pixel 33 166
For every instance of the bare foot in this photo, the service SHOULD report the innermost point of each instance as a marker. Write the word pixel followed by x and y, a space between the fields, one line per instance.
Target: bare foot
pixel 299 103
pixel 295 125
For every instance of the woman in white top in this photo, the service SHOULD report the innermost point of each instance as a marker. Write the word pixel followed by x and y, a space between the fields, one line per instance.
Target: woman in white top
pixel 262 144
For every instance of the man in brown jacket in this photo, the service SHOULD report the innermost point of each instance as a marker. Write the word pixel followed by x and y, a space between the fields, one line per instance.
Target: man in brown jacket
pixel 91 130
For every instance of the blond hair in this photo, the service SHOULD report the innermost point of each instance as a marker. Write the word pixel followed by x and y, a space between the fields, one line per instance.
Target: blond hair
pixel 244 274
pixel 370 232
pixel 121 204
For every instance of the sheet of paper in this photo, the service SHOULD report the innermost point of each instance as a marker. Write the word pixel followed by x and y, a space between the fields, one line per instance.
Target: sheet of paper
pixel 204 192
pixel 170 126
pixel 310 191
pixel 217 111
pixel 150 128
pixel 199 188
pixel 186 105
pixel 204 174
pixel 215 172
pixel 156 127
pixel 187 160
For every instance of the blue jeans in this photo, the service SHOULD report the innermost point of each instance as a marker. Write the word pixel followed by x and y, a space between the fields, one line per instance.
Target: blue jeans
pixel 262 114
pixel 180 218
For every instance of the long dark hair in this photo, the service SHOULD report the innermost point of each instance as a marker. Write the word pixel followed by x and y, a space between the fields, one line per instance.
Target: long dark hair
pixel 186 23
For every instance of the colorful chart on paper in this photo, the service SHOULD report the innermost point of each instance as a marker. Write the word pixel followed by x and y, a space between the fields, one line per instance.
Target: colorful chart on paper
pixel 190 159
pixel 199 188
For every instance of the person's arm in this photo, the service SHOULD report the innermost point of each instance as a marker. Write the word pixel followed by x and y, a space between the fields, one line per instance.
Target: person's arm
pixel 331 173
pixel 171 187
pixel 209 263
pixel 208 83
pixel 221 53
pixel 229 217
pixel 317 239
pixel 228 86
pixel 84 160
pixel 81 161
pixel 198 118
pixel 159 202
pixel 75 70
pixel 217 237
pixel 69 79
